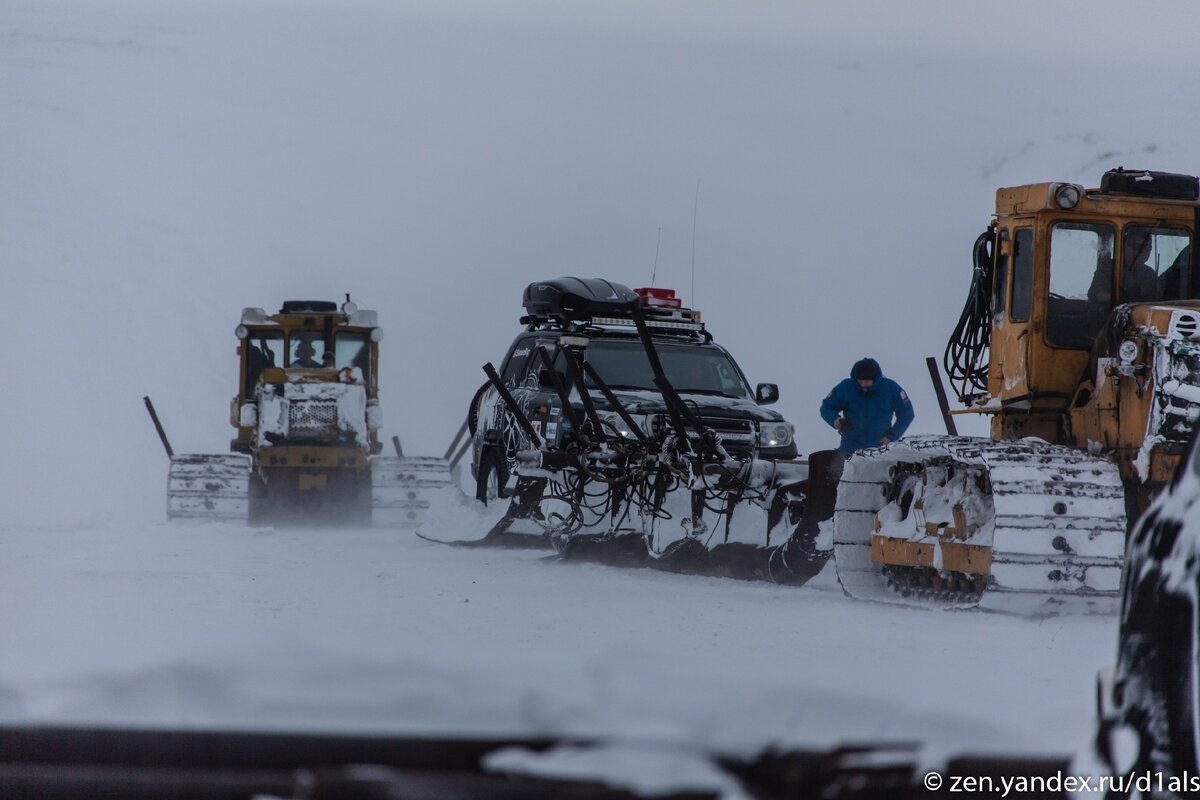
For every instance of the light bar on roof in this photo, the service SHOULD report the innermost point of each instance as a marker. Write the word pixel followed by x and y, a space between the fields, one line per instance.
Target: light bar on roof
pixel 622 321
pixel 651 323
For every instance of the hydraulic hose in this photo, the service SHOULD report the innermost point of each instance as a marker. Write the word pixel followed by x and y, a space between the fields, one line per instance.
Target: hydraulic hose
pixel 966 356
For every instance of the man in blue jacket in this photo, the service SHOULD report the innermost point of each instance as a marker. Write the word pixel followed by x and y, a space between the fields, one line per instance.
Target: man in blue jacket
pixel 866 402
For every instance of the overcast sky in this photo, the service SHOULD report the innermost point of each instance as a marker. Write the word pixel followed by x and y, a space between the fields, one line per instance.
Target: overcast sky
pixel 167 164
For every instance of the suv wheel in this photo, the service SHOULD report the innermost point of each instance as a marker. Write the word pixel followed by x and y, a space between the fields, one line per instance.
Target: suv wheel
pixel 492 477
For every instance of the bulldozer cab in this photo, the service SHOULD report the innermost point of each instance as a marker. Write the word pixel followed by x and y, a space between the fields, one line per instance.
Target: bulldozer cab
pixel 1063 258
pixel 306 342
pixel 308 417
pixel 273 348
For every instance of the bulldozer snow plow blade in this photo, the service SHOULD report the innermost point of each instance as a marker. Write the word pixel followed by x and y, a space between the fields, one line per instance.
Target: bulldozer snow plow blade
pixel 405 489
pixel 736 543
pixel 774 539
pixel 209 488
pixel 521 526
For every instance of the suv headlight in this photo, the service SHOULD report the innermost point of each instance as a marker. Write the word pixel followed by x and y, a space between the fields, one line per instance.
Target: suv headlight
pixel 775 434
pixel 613 422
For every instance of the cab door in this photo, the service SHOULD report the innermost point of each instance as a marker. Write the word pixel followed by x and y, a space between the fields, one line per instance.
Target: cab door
pixel 1012 305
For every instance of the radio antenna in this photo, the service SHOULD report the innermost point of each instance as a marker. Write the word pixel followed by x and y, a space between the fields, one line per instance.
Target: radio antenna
pixel 656 246
pixel 695 211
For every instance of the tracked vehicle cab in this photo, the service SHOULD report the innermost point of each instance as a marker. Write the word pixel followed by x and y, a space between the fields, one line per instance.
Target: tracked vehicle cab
pixel 307 409
pixel 308 343
pixel 1073 274
pixel 307 415
pixel 1079 337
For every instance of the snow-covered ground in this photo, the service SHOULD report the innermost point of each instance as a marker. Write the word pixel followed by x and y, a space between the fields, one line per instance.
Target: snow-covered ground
pixel 380 631
pixel 818 172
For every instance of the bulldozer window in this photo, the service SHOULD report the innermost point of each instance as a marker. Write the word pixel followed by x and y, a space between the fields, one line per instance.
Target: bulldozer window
pixel 1155 264
pixel 1081 282
pixel 1022 279
pixel 353 350
pixel 263 349
pixel 1000 290
pixel 305 350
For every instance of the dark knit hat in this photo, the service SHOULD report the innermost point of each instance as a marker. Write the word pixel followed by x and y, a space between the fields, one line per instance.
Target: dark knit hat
pixel 865 370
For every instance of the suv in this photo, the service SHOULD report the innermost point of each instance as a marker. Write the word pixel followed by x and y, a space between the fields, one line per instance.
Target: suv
pixel 599 314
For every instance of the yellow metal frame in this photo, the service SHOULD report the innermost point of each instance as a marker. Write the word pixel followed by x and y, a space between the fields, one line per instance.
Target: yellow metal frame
pixel 956 556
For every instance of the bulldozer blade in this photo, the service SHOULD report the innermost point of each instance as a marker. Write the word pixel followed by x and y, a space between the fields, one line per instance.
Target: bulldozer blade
pixel 688 556
pixel 793 563
pixel 520 526
pixel 797 507
pixel 209 488
pixel 625 549
pixel 404 489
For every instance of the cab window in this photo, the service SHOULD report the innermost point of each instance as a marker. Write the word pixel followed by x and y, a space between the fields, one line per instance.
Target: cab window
pixel 1081 282
pixel 1000 282
pixel 263 349
pixel 1022 277
pixel 1155 264
pixel 353 350
pixel 305 350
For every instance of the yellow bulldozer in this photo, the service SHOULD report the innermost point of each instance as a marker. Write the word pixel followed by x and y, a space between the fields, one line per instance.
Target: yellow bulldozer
pixel 308 416
pixel 1081 339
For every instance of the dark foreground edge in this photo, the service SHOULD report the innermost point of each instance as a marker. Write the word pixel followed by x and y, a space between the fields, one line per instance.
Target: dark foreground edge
pixel 137 764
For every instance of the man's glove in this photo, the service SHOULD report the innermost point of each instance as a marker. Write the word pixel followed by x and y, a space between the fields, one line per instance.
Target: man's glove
pixel 844 425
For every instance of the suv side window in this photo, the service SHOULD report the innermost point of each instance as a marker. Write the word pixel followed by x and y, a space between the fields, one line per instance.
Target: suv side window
pixel 513 373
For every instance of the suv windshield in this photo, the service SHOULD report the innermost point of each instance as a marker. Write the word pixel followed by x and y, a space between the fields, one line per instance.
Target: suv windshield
pixel 690 368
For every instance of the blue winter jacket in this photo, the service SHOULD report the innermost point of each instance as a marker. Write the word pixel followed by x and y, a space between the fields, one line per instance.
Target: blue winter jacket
pixel 870 412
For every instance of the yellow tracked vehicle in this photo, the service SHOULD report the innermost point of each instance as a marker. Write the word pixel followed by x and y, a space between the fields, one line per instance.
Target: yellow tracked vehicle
pixel 307 415
pixel 1081 339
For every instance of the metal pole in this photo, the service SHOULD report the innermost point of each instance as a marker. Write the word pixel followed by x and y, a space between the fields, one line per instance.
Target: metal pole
pixel 454 444
pixel 943 404
pixel 462 451
pixel 162 435
pixel 396 444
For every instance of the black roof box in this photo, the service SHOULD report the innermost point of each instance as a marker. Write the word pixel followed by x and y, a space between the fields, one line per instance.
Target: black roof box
pixel 1168 185
pixel 308 307
pixel 579 298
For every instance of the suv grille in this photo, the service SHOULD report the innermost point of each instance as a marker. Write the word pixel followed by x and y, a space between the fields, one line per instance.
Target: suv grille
pixel 313 417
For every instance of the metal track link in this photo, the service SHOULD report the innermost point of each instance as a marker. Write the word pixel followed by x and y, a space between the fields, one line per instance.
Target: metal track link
pixel 1052 518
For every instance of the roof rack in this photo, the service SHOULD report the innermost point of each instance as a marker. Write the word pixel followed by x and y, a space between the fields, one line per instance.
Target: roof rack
pixel 579 304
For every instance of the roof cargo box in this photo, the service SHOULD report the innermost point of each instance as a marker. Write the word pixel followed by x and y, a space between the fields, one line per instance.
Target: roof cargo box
pixel 1168 185
pixel 579 298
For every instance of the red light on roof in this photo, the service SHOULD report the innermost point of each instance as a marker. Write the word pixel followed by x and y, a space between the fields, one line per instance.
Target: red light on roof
pixel 658 298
